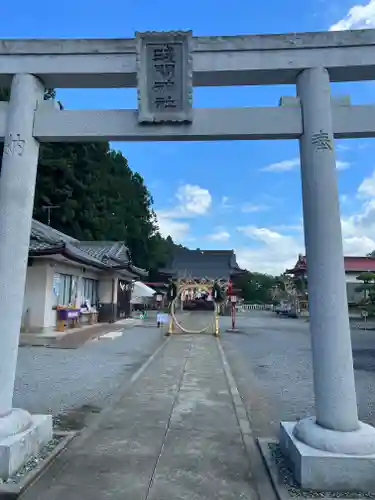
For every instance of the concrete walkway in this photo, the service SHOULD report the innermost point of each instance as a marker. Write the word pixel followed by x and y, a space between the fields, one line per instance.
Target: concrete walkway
pixel 72 338
pixel 174 434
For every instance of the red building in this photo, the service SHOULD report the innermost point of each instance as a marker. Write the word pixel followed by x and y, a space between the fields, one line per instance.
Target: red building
pixel 354 266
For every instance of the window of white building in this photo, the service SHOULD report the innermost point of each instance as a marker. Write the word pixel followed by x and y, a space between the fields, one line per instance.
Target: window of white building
pixel 90 290
pixel 62 289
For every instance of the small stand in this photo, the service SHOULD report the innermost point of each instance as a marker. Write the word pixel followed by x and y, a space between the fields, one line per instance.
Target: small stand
pixel 365 316
pixel 233 300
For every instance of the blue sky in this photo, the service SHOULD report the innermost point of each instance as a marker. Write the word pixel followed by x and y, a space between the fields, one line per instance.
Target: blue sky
pixel 241 195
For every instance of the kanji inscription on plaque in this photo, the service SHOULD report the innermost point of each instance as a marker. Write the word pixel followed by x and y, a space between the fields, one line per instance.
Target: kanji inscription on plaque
pixel 164 73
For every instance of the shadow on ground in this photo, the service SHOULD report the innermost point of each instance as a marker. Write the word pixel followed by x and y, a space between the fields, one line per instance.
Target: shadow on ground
pixel 364 359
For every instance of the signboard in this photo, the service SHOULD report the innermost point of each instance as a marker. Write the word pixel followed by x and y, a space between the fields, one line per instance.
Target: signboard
pixel 233 299
pixel 162 318
pixel 164 77
pixel 73 314
pixel 159 298
pixel 123 286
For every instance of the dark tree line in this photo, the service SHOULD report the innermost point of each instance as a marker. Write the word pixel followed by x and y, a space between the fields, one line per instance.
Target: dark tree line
pixel 98 197
pixel 255 287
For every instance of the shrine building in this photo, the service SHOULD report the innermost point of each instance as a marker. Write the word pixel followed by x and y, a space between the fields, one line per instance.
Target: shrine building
pixel 202 264
pixel 354 266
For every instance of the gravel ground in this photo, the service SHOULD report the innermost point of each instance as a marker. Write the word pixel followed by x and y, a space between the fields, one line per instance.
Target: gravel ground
pixel 82 380
pixel 33 462
pixel 295 491
pixel 271 362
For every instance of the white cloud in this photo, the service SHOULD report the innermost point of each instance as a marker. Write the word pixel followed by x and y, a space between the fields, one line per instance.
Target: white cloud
pixel 191 201
pixel 342 165
pixel 274 252
pixel 367 187
pixel 251 208
pixel 344 198
pixel 359 229
pixel 176 229
pixel 282 166
pixel 219 235
pixel 342 147
pixel 275 249
pixel 288 227
pixel 225 204
pixel 358 17
pixel 225 201
pixel 294 163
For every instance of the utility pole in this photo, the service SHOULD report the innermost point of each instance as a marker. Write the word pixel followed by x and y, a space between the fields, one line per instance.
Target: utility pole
pixel 48 208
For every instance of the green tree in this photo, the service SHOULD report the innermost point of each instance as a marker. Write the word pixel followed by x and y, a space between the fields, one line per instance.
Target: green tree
pixel 255 287
pixel 98 197
pixel 367 286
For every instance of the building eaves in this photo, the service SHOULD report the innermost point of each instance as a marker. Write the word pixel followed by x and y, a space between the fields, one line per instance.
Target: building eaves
pixel 96 249
pixel 138 271
pixel 111 255
pixel 40 247
pixel 208 264
pixel 110 252
pixel 80 255
pixel 48 233
pixel 66 250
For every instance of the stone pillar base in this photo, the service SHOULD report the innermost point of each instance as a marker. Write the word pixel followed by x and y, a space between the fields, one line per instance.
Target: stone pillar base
pixel 18 448
pixel 323 470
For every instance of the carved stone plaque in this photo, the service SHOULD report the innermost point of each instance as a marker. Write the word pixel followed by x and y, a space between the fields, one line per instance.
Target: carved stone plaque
pixel 164 77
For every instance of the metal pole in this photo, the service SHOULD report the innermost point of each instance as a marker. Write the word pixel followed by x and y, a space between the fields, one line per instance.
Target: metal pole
pixel 48 208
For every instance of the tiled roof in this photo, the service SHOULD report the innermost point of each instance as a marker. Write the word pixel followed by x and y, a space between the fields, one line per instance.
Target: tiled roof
pixel 37 245
pixel 44 238
pixel 102 254
pixel 111 252
pixel 352 264
pixel 138 270
pixel 76 252
pixel 202 264
pixel 40 230
pixel 359 264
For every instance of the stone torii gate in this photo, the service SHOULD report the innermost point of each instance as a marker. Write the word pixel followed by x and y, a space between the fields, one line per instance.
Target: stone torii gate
pixel 309 60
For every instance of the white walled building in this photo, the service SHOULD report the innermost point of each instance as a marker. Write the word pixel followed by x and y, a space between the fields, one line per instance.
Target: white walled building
pixel 63 271
pixel 354 266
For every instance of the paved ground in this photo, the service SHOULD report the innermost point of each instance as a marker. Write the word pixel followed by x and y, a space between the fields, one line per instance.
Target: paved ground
pixel 73 338
pixel 175 432
pixel 173 435
pixel 82 381
pixel 271 362
pixel 194 321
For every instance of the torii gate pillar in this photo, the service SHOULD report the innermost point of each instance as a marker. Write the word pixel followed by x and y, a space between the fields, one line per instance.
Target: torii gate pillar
pixel 334 450
pixel 21 435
